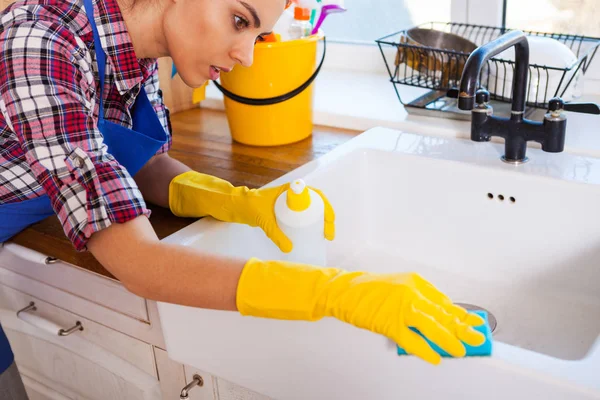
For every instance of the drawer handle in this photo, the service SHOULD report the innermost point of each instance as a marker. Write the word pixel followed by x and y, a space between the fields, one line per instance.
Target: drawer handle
pixel 196 381
pixel 44 324
pixel 29 255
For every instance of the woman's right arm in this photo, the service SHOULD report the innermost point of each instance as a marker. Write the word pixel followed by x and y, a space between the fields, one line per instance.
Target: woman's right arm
pixel 386 304
pixel 164 272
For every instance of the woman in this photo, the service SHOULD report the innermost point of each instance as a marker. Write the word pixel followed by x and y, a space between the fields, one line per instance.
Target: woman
pixel 84 135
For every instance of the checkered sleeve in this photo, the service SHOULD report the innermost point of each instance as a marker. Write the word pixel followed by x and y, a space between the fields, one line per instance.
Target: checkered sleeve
pixel 47 97
pixel 155 96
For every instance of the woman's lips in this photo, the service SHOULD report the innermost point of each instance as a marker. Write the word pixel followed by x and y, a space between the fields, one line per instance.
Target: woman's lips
pixel 215 72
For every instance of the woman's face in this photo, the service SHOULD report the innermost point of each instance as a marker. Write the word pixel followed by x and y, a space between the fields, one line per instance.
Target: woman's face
pixel 203 36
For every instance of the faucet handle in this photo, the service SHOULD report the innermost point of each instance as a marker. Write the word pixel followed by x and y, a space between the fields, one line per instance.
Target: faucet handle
pixel 482 96
pixel 585 108
pixel 557 104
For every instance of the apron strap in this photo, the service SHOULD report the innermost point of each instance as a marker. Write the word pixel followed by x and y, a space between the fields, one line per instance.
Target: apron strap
pixel 100 54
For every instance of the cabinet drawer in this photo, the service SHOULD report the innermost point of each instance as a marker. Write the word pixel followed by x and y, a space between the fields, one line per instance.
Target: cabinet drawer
pixel 81 292
pixel 73 369
pixel 75 280
pixel 133 351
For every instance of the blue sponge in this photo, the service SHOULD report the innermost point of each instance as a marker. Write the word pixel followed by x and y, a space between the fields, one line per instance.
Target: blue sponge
pixel 484 350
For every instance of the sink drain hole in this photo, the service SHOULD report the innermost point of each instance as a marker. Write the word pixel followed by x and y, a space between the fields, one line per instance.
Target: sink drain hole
pixel 472 307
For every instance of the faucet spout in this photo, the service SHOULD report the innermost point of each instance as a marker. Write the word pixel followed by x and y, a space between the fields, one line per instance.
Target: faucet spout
pixel 516 130
pixel 478 58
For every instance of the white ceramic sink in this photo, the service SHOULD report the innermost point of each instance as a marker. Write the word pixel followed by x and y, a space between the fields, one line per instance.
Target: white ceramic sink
pixel 407 202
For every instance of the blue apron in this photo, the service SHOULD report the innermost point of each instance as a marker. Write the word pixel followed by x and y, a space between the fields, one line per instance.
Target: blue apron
pixel 132 148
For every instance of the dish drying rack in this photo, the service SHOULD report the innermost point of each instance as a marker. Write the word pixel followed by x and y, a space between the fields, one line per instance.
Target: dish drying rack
pixel 445 75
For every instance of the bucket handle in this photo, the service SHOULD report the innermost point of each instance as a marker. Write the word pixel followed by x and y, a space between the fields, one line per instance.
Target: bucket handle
pixel 277 99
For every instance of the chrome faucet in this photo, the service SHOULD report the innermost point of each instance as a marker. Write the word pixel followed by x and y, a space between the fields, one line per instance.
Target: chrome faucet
pixel 516 130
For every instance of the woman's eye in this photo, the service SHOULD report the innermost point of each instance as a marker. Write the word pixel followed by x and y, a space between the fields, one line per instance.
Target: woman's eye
pixel 240 23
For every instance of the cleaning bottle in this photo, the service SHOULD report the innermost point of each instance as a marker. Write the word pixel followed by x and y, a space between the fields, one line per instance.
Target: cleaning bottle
pixel 300 213
pixel 301 27
pixel 313 6
pixel 282 27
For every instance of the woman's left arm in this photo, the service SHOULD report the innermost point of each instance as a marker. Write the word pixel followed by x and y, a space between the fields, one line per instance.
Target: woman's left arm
pixel 154 178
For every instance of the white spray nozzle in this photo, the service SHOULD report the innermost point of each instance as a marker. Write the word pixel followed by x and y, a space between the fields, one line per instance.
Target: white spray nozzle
pixel 298 186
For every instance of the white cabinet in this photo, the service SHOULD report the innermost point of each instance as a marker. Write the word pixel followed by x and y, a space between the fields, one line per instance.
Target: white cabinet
pixel 118 354
pixel 214 388
pixel 170 374
pixel 101 361
pixel 207 389
pixel 72 367
pixel 82 292
pixel 228 391
pixel 135 352
pixel 174 377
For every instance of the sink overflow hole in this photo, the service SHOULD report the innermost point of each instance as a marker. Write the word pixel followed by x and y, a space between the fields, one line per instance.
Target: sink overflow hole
pixel 501 197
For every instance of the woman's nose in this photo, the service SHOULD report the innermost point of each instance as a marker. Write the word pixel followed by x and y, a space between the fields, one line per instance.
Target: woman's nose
pixel 244 53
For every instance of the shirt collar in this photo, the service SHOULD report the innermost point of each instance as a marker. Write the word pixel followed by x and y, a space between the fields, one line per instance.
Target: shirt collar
pixel 128 70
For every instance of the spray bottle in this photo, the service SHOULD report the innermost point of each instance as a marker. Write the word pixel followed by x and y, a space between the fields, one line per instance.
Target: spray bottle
pixel 300 213
pixel 301 26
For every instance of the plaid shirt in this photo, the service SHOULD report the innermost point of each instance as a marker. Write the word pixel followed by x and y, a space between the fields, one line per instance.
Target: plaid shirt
pixel 49 105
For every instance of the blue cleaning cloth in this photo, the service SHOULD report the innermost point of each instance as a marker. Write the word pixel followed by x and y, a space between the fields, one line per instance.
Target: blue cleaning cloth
pixel 484 350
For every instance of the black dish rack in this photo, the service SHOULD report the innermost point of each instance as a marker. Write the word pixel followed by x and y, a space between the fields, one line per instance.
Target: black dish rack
pixel 445 72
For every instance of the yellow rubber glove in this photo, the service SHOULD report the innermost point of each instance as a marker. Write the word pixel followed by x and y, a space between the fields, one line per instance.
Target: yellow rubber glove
pixel 193 194
pixel 387 304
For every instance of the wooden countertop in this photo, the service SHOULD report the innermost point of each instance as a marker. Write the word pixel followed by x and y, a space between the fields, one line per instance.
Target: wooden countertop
pixel 201 140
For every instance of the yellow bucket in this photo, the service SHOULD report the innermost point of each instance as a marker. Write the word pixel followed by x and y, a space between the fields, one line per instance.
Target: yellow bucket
pixel 271 102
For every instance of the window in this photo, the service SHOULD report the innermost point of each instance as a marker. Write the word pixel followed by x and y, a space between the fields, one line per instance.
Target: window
pixel 351 36
pixel 366 21
pixel 579 17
